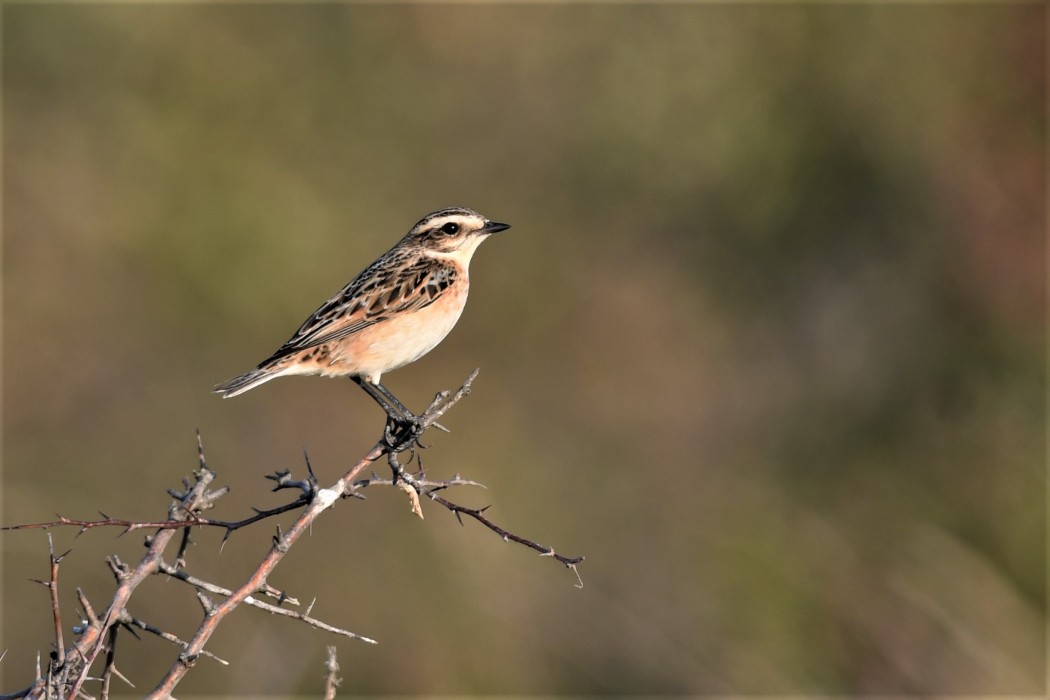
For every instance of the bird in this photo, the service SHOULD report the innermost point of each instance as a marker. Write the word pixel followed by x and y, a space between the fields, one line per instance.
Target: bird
pixel 391 314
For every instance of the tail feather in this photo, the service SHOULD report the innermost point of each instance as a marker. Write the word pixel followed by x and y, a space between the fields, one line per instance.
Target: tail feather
pixel 248 380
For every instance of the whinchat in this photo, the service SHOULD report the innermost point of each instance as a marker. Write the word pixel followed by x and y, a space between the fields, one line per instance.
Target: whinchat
pixel 394 312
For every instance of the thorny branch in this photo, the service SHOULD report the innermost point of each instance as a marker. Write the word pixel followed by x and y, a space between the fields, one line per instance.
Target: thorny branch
pixel 191 519
pixel 430 489
pixel 52 585
pixel 69 669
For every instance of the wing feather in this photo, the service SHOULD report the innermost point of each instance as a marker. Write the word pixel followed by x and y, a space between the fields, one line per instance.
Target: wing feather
pixel 390 286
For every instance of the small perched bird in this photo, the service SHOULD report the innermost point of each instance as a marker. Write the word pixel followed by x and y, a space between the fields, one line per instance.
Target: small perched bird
pixel 394 312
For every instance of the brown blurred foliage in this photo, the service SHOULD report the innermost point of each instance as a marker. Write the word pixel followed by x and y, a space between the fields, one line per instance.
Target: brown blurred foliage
pixel 766 341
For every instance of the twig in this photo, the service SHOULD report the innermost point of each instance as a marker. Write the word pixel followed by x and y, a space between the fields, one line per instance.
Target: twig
pixel 111 664
pixel 181 575
pixel 455 480
pixel 331 681
pixel 476 514
pixel 175 524
pixel 130 622
pixel 52 585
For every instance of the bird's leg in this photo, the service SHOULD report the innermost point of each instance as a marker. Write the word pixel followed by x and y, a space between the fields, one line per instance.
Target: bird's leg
pixel 399 419
pixel 394 402
pixel 377 396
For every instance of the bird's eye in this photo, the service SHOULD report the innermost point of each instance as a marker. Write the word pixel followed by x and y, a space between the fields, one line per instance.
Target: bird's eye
pixel 451 228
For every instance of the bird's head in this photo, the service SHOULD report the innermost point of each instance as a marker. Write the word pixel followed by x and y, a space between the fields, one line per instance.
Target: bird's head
pixel 453 233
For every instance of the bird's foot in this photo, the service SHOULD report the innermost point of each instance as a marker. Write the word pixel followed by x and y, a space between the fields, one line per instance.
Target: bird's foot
pixel 403 431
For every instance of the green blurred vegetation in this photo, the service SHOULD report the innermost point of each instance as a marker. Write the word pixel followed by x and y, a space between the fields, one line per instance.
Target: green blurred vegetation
pixel 766 343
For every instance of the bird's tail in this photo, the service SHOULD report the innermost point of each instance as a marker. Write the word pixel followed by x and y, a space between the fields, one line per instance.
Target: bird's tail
pixel 248 380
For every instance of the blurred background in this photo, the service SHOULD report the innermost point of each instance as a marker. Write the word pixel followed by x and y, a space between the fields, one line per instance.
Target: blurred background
pixel 766 342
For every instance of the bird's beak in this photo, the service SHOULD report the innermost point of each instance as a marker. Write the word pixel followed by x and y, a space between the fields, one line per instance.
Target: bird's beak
pixel 494 227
